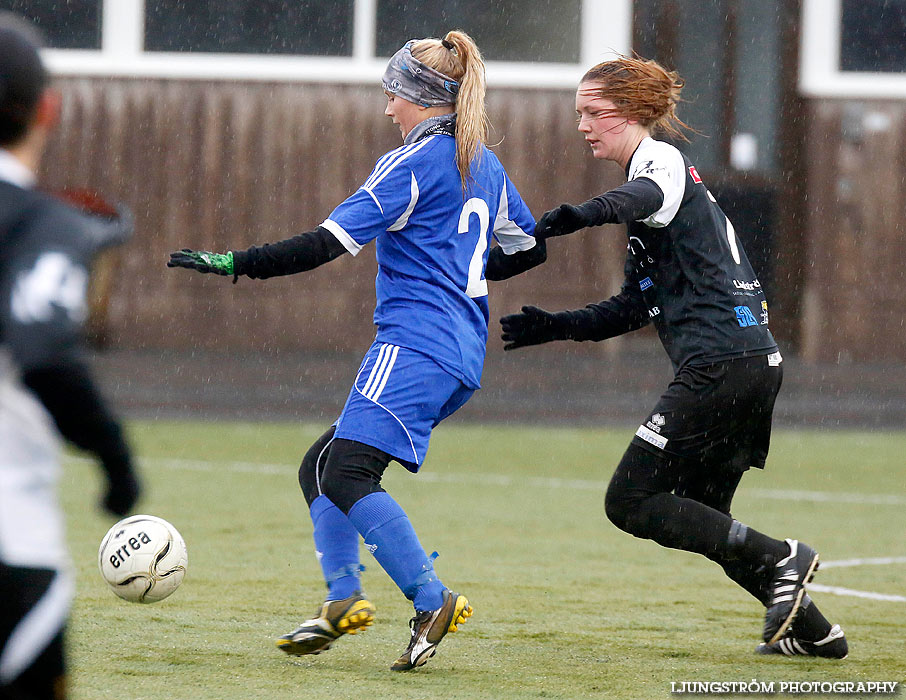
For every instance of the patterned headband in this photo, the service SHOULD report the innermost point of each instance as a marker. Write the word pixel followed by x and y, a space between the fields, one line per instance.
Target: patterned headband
pixel 409 78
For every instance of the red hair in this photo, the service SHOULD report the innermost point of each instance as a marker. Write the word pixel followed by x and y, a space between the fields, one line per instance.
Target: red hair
pixel 642 90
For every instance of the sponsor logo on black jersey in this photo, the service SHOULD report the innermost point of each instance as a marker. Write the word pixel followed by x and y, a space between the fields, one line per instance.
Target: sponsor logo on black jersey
pixel 637 248
pixel 656 423
pixel 748 286
pixel 695 176
pixel 652 437
pixel 647 168
pixel 645 284
pixel 745 317
pixel 644 168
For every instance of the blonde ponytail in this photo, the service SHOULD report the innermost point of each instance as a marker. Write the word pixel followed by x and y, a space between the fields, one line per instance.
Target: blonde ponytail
pixel 463 63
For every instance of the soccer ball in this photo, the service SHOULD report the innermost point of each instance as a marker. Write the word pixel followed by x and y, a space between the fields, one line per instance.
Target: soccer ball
pixel 143 559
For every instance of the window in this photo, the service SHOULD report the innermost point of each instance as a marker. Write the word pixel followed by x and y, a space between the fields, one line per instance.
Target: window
pixel 728 53
pixel 506 30
pixel 853 48
pixel 65 24
pixel 307 27
pixel 341 41
pixel 873 36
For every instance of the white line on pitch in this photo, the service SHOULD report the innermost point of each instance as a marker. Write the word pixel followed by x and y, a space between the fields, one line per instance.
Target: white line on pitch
pixel 212 465
pixel 837 590
pixel 828 496
pixel 579 484
pixel 840 563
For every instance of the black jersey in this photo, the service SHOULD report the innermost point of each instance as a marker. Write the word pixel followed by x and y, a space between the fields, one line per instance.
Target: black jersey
pixel 46 248
pixel 689 268
pixel 45 252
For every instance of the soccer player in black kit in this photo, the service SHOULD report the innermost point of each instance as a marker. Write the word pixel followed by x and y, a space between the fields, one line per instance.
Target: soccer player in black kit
pixel 46 387
pixel 686 273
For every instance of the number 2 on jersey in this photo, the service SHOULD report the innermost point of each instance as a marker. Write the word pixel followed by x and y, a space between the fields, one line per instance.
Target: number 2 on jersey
pixel 476 285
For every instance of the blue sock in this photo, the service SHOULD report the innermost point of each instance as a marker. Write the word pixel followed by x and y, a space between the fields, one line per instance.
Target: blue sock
pixel 337 545
pixel 390 537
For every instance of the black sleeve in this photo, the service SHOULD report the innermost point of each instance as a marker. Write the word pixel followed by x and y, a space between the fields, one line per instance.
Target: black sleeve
pixel 631 201
pixel 297 254
pixel 607 319
pixel 502 266
pixel 70 395
pixel 620 314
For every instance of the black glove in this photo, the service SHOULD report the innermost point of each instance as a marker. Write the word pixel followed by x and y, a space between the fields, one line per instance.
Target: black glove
pixel 203 261
pixel 532 327
pixel 122 493
pixel 565 219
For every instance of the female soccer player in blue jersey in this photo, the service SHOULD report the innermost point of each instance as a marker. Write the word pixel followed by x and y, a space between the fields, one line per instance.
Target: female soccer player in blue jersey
pixel 432 206
pixel 686 273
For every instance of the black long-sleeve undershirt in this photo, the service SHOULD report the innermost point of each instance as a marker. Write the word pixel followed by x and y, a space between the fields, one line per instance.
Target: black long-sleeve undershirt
pixel 620 314
pixel 71 397
pixel 502 266
pixel 632 201
pixel 297 254
pixel 309 250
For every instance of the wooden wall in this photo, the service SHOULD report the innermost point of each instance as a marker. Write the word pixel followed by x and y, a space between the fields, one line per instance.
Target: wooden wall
pixel 224 165
pixel 854 279
pixel 219 165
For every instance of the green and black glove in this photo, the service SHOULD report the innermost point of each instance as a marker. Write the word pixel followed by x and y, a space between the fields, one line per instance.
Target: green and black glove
pixel 203 261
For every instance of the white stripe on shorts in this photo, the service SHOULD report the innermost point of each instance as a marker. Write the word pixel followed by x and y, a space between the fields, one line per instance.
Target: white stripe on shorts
pixel 376 392
pixel 374 369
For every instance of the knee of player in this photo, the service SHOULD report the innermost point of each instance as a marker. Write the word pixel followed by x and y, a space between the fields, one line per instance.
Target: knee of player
pixel 616 512
pixel 617 506
pixel 313 462
pixel 633 512
pixel 335 491
pixel 308 482
pixel 308 475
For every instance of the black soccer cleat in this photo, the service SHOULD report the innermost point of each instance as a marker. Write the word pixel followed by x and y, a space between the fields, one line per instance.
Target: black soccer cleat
pixel 429 627
pixel 788 588
pixel 833 646
pixel 336 618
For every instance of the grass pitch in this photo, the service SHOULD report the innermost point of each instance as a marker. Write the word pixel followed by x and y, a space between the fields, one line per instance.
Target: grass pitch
pixel 566 606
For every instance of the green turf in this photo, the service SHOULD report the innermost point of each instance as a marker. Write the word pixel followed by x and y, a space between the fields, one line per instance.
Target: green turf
pixel 566 606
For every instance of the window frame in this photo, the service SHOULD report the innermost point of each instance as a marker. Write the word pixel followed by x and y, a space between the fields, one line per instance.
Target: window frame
pixel 122 53
pixel 819 59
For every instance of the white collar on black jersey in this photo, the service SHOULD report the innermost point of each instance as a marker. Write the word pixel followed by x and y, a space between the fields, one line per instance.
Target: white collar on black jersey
pixel 12 170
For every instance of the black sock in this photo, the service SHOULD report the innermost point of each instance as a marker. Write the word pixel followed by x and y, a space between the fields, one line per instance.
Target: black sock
pixel 810 625
pixel 748 559
pixel 752 577
pixel 745 543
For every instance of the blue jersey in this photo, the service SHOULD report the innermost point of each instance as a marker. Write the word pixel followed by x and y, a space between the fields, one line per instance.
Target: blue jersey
pixel 432 247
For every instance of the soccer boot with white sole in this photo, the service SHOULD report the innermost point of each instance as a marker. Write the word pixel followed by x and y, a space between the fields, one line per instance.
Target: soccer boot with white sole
pixel 787 589
pixel 833 646
pixel 336 618
pixel 429 627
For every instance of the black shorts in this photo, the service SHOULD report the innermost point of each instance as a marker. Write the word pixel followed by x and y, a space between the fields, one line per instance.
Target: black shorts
pixel 717 414
pixel 43 678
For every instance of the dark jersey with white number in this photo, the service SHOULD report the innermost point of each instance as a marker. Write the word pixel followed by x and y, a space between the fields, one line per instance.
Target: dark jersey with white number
pixel 46 248
pixel 688 268
pixel 45 251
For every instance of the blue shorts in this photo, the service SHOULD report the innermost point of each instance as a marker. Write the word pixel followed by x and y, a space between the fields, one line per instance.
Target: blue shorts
pixel 398 396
